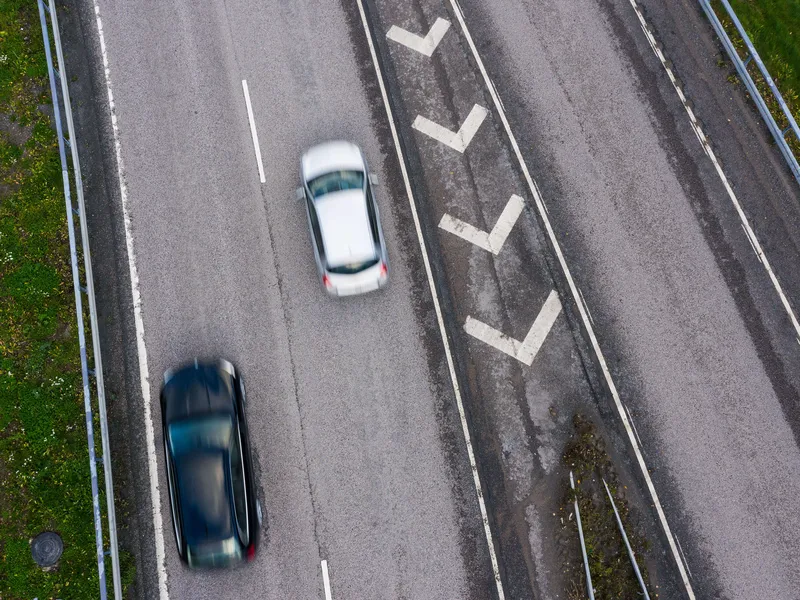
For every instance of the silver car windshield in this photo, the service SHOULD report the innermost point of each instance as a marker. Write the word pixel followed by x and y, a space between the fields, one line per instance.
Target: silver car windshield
pixel 336 181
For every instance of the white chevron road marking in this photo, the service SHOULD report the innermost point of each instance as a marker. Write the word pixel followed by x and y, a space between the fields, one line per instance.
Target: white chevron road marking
pixel 424 45
pixel 526 350
pixel 494 240
pixel 457 140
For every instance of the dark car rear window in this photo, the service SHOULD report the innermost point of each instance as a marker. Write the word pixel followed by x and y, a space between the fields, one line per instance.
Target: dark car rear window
pixel 211 431
pixel 205 500
pixel 352 268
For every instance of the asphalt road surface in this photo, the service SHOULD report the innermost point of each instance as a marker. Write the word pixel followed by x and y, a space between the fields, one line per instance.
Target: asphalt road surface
pixel 702 349
pixel 361 457
pixel 360 460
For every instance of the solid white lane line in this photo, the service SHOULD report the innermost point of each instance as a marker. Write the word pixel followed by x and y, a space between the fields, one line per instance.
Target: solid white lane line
pixel 633 423
pixel 253 131
pixel 752 245
pixel 149 429
pixel 704 141
pixel 424 45
pixel 684 557
pixel 326 580
pixel 457 140
pixel 436 305
pixel 586 306
pixel 494 240
pixel 581 307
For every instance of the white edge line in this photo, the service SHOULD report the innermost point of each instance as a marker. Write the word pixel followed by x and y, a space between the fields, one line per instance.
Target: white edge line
pixel 684 557
pixel 253 131
pixel 442 331
pixel 591 318
pixel 633 424
pixel 152 463
pixel 584 316
pixel 740 211
pixel 752 245
pixel 326 580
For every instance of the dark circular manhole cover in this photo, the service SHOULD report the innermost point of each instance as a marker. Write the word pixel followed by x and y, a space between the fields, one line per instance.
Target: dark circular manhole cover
pixel 47 548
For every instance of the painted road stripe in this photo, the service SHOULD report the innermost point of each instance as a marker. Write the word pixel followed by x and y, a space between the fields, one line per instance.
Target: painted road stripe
pixel 253 131
pixel 586 306
pixel 457 140
pixel 494 240
pixel 476 480
pixel 326 580
pixel 573 289
pixel 752 245
pixel 526 350
pixel 149 429
pixel 424 45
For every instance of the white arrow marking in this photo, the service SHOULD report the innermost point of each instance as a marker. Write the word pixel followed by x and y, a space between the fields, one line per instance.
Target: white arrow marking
pixel 424 45
pixel 457 140
pixel 526 350
pixel 494 240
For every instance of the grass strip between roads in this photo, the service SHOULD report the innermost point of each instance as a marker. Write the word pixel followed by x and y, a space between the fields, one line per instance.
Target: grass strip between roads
pixel 774 28
pixel 44 464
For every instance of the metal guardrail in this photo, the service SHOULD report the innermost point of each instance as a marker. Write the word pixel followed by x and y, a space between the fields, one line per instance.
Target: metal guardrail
pixel 741 67
pixel 46 10
pixel 589 586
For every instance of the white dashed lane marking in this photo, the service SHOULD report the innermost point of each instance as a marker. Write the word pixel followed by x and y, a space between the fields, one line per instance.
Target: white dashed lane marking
pixel 424 45
pixel 326 580
pixel 526 350
pixel 457 140
pixel 494 240
pixel 253 131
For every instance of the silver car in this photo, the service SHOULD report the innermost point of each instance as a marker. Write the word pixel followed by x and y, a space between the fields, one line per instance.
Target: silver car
pixel 343 218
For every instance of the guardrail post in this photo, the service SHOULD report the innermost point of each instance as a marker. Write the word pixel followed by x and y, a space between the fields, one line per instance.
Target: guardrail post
pixel 627 543
pixel 589 586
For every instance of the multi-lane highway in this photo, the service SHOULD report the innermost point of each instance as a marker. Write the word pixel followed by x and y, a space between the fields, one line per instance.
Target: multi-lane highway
pixel 350 404
pixel 539 169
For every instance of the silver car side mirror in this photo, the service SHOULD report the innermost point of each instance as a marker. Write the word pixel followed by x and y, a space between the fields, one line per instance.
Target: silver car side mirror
pixel 373 179
pixel 300 193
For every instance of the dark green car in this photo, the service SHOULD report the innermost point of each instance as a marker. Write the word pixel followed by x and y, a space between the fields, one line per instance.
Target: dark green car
pixel 215 509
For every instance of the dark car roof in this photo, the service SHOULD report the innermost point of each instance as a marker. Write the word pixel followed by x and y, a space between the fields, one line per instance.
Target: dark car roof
pixel 205 498
pixel 196 390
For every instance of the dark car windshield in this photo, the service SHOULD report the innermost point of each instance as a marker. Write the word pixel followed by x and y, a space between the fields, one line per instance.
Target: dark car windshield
pixel 336 181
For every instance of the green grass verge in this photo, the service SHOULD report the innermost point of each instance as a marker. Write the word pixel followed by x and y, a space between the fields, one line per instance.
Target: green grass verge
pixel 44 465
pixel 774 28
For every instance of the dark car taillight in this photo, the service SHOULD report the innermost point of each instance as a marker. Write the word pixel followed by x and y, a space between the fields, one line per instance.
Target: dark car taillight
pixel 251 552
